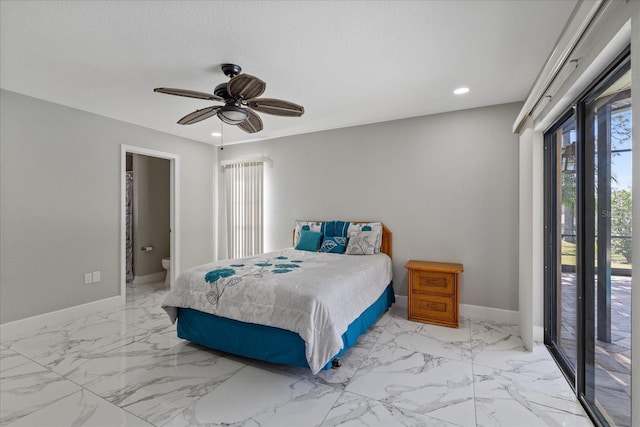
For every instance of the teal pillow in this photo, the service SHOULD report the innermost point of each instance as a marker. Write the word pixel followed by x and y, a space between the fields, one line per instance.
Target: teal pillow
pixel 334 245
pixel 309 240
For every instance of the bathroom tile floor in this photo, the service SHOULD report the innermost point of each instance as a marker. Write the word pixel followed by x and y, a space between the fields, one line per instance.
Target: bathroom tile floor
pixel 128 368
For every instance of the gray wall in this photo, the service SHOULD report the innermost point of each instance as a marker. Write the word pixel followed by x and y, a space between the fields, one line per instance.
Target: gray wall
pixel 446 185
pixel 60 203
pixel 151 196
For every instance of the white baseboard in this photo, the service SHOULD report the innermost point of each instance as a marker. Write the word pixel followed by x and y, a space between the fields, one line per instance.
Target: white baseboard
pixel 149 278
pixel 538 333
pixel 402 301
pixel 60 316
pixel 490 314
pixel 477 312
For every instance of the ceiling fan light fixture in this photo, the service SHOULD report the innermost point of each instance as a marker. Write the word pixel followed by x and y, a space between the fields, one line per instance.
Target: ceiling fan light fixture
pixel 232 114
pixel 242 90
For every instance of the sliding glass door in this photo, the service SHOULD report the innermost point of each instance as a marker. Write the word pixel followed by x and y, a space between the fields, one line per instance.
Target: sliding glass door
pixel 608 343
pixel 562 219
pixel 588 259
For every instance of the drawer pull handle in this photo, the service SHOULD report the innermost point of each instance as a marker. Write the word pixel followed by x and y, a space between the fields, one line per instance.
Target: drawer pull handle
pixel 433 282
pixel 433 306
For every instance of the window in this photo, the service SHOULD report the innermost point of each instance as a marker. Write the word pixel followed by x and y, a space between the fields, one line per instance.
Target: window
pixel 244 198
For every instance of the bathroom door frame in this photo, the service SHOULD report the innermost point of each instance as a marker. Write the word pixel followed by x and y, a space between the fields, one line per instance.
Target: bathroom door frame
pixel 174 211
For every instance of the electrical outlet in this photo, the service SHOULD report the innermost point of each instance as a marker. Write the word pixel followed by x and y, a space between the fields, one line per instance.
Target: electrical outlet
pixel 87 278
pixel 95 276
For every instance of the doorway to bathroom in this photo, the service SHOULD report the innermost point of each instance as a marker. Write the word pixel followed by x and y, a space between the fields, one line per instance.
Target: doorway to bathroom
pixel 149 196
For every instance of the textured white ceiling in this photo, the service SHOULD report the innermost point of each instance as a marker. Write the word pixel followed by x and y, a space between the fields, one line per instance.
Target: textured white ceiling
pixel 346 62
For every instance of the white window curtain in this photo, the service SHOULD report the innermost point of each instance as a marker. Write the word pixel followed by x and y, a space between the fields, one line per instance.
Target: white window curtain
pixel 244 196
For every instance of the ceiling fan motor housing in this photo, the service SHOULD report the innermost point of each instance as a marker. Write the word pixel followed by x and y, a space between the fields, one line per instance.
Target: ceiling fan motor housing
pixel 231 70
pixel 221 91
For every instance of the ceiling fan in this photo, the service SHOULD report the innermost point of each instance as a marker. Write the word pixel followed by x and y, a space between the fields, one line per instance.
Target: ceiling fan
pixel 240 97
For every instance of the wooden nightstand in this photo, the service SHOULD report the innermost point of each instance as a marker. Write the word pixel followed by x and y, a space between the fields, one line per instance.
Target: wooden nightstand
pixel 433 292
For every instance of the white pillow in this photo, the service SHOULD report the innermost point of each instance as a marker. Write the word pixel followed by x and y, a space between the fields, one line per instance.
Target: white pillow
pixel 361 243
pixel 375 229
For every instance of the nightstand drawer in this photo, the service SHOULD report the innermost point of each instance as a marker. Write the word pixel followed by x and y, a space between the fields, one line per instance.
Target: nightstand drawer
pixel 433 282
pixel 434 308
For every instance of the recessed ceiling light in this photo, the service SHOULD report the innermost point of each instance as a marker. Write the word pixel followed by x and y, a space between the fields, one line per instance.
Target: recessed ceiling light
pixel 461 90
pixel 216 134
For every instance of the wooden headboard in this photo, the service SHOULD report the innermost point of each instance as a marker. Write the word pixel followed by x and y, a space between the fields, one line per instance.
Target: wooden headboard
pixel 385 246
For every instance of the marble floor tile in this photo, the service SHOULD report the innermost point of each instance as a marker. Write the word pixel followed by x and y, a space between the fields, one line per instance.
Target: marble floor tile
pixel 151 298
pixel 536 363
pixel 82 408
pixel 372 335
pixel 452 343
pixel 26 387
pixel 127 367
pixel 488 336
pixel 63 350
pixel 500 346
pixel 162 386
pixel 52 327
pixel 90 368
pixel 506 399
pixel 392 312
pixel 150 317
pixel 435 386
pixel 350 363
pixel 352 410
pixel 495 383
pixel 509 413
pixel 268 398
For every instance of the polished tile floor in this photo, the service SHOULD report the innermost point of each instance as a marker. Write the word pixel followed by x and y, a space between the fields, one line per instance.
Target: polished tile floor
pixel 128 368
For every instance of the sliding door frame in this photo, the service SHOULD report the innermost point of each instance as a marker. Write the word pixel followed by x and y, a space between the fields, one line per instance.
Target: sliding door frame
pixel 583 379
pixel 551 248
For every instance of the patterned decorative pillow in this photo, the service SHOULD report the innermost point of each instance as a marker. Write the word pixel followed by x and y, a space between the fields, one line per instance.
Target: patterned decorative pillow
pixel 335 228
pixel 307 225
pixel 361 243
pixel 334 245
pixel 374 227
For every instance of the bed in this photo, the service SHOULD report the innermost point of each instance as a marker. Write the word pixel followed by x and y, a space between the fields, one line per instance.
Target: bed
pixel 293 306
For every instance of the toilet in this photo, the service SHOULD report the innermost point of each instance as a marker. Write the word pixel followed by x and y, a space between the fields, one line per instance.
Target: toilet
pixel 166 264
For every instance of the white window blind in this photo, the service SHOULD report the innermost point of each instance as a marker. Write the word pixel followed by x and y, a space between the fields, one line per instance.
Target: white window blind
pixel 244 208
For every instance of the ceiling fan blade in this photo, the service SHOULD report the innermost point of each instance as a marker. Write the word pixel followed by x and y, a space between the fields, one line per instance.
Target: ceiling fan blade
pixel 245 86
pixel 253 123
pixel 199 115
pixel 276 107
pixel 188 93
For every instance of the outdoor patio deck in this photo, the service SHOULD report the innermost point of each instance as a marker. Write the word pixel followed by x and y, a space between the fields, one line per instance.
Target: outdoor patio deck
pixel 613 360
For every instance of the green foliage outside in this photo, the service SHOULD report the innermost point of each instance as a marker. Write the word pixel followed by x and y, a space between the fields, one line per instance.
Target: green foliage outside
pixel 621 216
pixel 569 256
pixel 621 212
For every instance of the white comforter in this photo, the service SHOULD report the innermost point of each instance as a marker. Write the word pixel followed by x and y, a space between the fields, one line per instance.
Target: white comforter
pixel 317 295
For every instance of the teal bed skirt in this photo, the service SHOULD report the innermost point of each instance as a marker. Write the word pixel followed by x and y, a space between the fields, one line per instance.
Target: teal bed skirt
pixel 266 342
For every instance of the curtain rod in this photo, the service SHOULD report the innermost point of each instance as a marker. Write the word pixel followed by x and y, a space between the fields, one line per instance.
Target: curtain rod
pixel 244 161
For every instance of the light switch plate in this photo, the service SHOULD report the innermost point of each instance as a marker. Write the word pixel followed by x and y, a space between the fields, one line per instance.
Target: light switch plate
pixel 87 278
pixel 96 276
